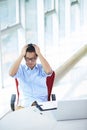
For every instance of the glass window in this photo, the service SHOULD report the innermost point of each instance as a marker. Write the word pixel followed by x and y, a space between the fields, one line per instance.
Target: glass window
pixel 9 14
pixel 9 38
pixel 9 49
pixel 49 9
pixel 49 5
pixel 48 30
pixel 83 12
pixel 75 15
pixel 31 20
pixel 61 16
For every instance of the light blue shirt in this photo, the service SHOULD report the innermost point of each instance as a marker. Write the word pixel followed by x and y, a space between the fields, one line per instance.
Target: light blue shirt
pixel 32 85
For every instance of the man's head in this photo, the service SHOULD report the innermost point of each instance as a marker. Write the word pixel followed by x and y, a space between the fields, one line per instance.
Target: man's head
pixel 30 56
pixel 31 48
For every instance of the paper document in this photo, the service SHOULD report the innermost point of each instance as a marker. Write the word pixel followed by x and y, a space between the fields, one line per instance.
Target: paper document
pixel 49 105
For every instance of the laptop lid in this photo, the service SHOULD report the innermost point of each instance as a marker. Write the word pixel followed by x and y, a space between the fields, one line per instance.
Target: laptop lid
pixel 71 109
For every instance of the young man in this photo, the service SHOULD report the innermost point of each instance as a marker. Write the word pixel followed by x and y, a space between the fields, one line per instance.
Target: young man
pixel 31 76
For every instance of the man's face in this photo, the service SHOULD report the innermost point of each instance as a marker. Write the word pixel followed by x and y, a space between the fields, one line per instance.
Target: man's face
pixel 30 59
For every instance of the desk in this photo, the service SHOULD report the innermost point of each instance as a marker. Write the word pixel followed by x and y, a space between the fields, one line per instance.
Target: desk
pixel 80 124
pixel 33 119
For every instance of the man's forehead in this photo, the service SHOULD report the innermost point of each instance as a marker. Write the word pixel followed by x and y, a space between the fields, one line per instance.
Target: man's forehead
pixel 30 54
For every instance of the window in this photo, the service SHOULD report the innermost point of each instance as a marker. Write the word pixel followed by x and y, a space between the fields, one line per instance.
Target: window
pixel 9 14
pixel 49 5
pixel 75 15
pixel 31 21
pixel 61 8
pixel 49 11
pixel 9 53
pixel 9 37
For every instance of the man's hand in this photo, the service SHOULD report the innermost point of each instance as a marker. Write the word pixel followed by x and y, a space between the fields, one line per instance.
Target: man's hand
pixel 37 49
pixel 23 51
pixel 43 61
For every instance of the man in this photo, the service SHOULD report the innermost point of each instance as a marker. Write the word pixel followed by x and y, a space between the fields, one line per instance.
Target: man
pixel 31 76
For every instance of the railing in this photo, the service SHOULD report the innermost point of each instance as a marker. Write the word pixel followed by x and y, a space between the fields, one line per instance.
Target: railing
pixel 67 66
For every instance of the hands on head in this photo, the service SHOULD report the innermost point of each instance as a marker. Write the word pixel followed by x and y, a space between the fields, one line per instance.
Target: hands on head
pixel 37 49
pixel 23 51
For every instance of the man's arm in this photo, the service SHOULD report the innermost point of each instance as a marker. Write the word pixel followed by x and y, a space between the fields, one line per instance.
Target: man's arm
pixel 47 68
pixel 14 68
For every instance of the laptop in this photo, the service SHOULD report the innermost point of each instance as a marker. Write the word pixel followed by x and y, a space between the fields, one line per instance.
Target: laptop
pixel 71 109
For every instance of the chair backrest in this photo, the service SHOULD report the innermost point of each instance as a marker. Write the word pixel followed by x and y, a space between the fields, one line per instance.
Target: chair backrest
pixel 49 82
pixel 16 82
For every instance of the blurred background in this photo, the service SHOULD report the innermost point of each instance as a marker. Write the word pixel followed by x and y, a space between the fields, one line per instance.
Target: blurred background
pixel 59 27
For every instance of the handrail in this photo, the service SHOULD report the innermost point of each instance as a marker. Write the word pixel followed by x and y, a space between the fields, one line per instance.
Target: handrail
pixel 67 66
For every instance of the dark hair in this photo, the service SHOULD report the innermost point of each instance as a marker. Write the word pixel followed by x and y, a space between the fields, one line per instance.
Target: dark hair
pixel 31 48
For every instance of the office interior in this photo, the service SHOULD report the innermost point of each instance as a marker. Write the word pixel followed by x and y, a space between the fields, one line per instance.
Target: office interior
pixel 59 27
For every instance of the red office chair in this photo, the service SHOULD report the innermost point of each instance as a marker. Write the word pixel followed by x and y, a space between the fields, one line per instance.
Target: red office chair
pixel 49 82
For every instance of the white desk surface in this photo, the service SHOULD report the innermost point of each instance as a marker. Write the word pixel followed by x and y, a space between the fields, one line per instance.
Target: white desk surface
pixel 33 119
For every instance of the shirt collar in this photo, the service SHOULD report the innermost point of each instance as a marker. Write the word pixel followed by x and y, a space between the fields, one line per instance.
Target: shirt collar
pixel 27 68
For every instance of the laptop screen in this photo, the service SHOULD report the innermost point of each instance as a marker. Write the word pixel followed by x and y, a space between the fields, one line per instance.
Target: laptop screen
pixel 71 109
